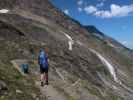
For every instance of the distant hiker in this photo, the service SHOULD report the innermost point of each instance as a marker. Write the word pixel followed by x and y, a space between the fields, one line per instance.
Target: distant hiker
pixel 43 62
pixel 32 54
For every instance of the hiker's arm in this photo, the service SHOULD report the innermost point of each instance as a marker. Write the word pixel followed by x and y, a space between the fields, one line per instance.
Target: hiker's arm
pixel 47 59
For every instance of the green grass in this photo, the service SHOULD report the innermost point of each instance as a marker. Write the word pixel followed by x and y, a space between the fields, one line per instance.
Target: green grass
pixel 13 79
pixel 91 88
pixel 73 98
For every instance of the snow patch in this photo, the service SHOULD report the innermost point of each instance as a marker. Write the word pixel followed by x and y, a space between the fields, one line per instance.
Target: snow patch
pixel 74 84
pixel 78 42
pixel 110 68
pixel 112 71
pixel 105 62
pixel 70 41
pixel 60 75
pixel 110 44
pixel 68 36
pixel 4 11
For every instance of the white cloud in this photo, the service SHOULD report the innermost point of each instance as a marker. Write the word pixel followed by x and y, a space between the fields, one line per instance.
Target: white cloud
pixel 66 11
pixel 90 9
pixel 115 11
pixel 103 14
pixel 80 9
pixel 119 11
pixel 80 2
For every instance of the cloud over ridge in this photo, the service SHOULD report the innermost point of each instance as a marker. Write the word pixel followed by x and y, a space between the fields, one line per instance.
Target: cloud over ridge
pixel 114 11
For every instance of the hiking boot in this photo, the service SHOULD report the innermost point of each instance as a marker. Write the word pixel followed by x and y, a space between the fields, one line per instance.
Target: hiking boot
pixel 42 83
pixel 46 83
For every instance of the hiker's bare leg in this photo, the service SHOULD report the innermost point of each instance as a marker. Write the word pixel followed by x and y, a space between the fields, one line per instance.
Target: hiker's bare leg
pixel 42 77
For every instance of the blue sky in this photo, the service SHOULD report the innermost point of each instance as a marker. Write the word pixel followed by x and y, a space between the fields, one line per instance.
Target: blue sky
pixel 112 17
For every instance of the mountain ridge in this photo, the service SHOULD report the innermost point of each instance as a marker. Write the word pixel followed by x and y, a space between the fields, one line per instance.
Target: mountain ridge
pixel 82 65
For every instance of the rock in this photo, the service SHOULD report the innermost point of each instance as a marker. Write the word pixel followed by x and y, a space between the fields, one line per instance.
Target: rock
pixel 34 95
pixel 3 86
pixel 1 97
pixel 24 51
pixel 43 44
pixel 1 39
pixel 19 92
pixel 37 98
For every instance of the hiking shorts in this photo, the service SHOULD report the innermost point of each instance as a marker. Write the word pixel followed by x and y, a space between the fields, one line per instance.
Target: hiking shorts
pixel 43 70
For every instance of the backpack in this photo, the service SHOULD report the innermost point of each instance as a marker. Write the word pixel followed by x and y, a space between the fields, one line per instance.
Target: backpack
pixel 25 68
pixel 43 60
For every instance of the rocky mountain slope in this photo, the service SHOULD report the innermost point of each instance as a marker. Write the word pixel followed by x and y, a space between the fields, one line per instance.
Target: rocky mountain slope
pixel 84 63
pixel 113 43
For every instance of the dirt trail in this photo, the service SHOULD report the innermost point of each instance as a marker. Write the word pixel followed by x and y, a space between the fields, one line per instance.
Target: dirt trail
pixel 49 91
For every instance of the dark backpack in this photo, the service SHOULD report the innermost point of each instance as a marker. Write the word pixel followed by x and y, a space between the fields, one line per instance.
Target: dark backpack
pixel 25 68
pixel 43 60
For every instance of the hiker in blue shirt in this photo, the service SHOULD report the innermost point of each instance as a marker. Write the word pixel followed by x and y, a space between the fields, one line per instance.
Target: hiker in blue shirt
pixel 43 62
